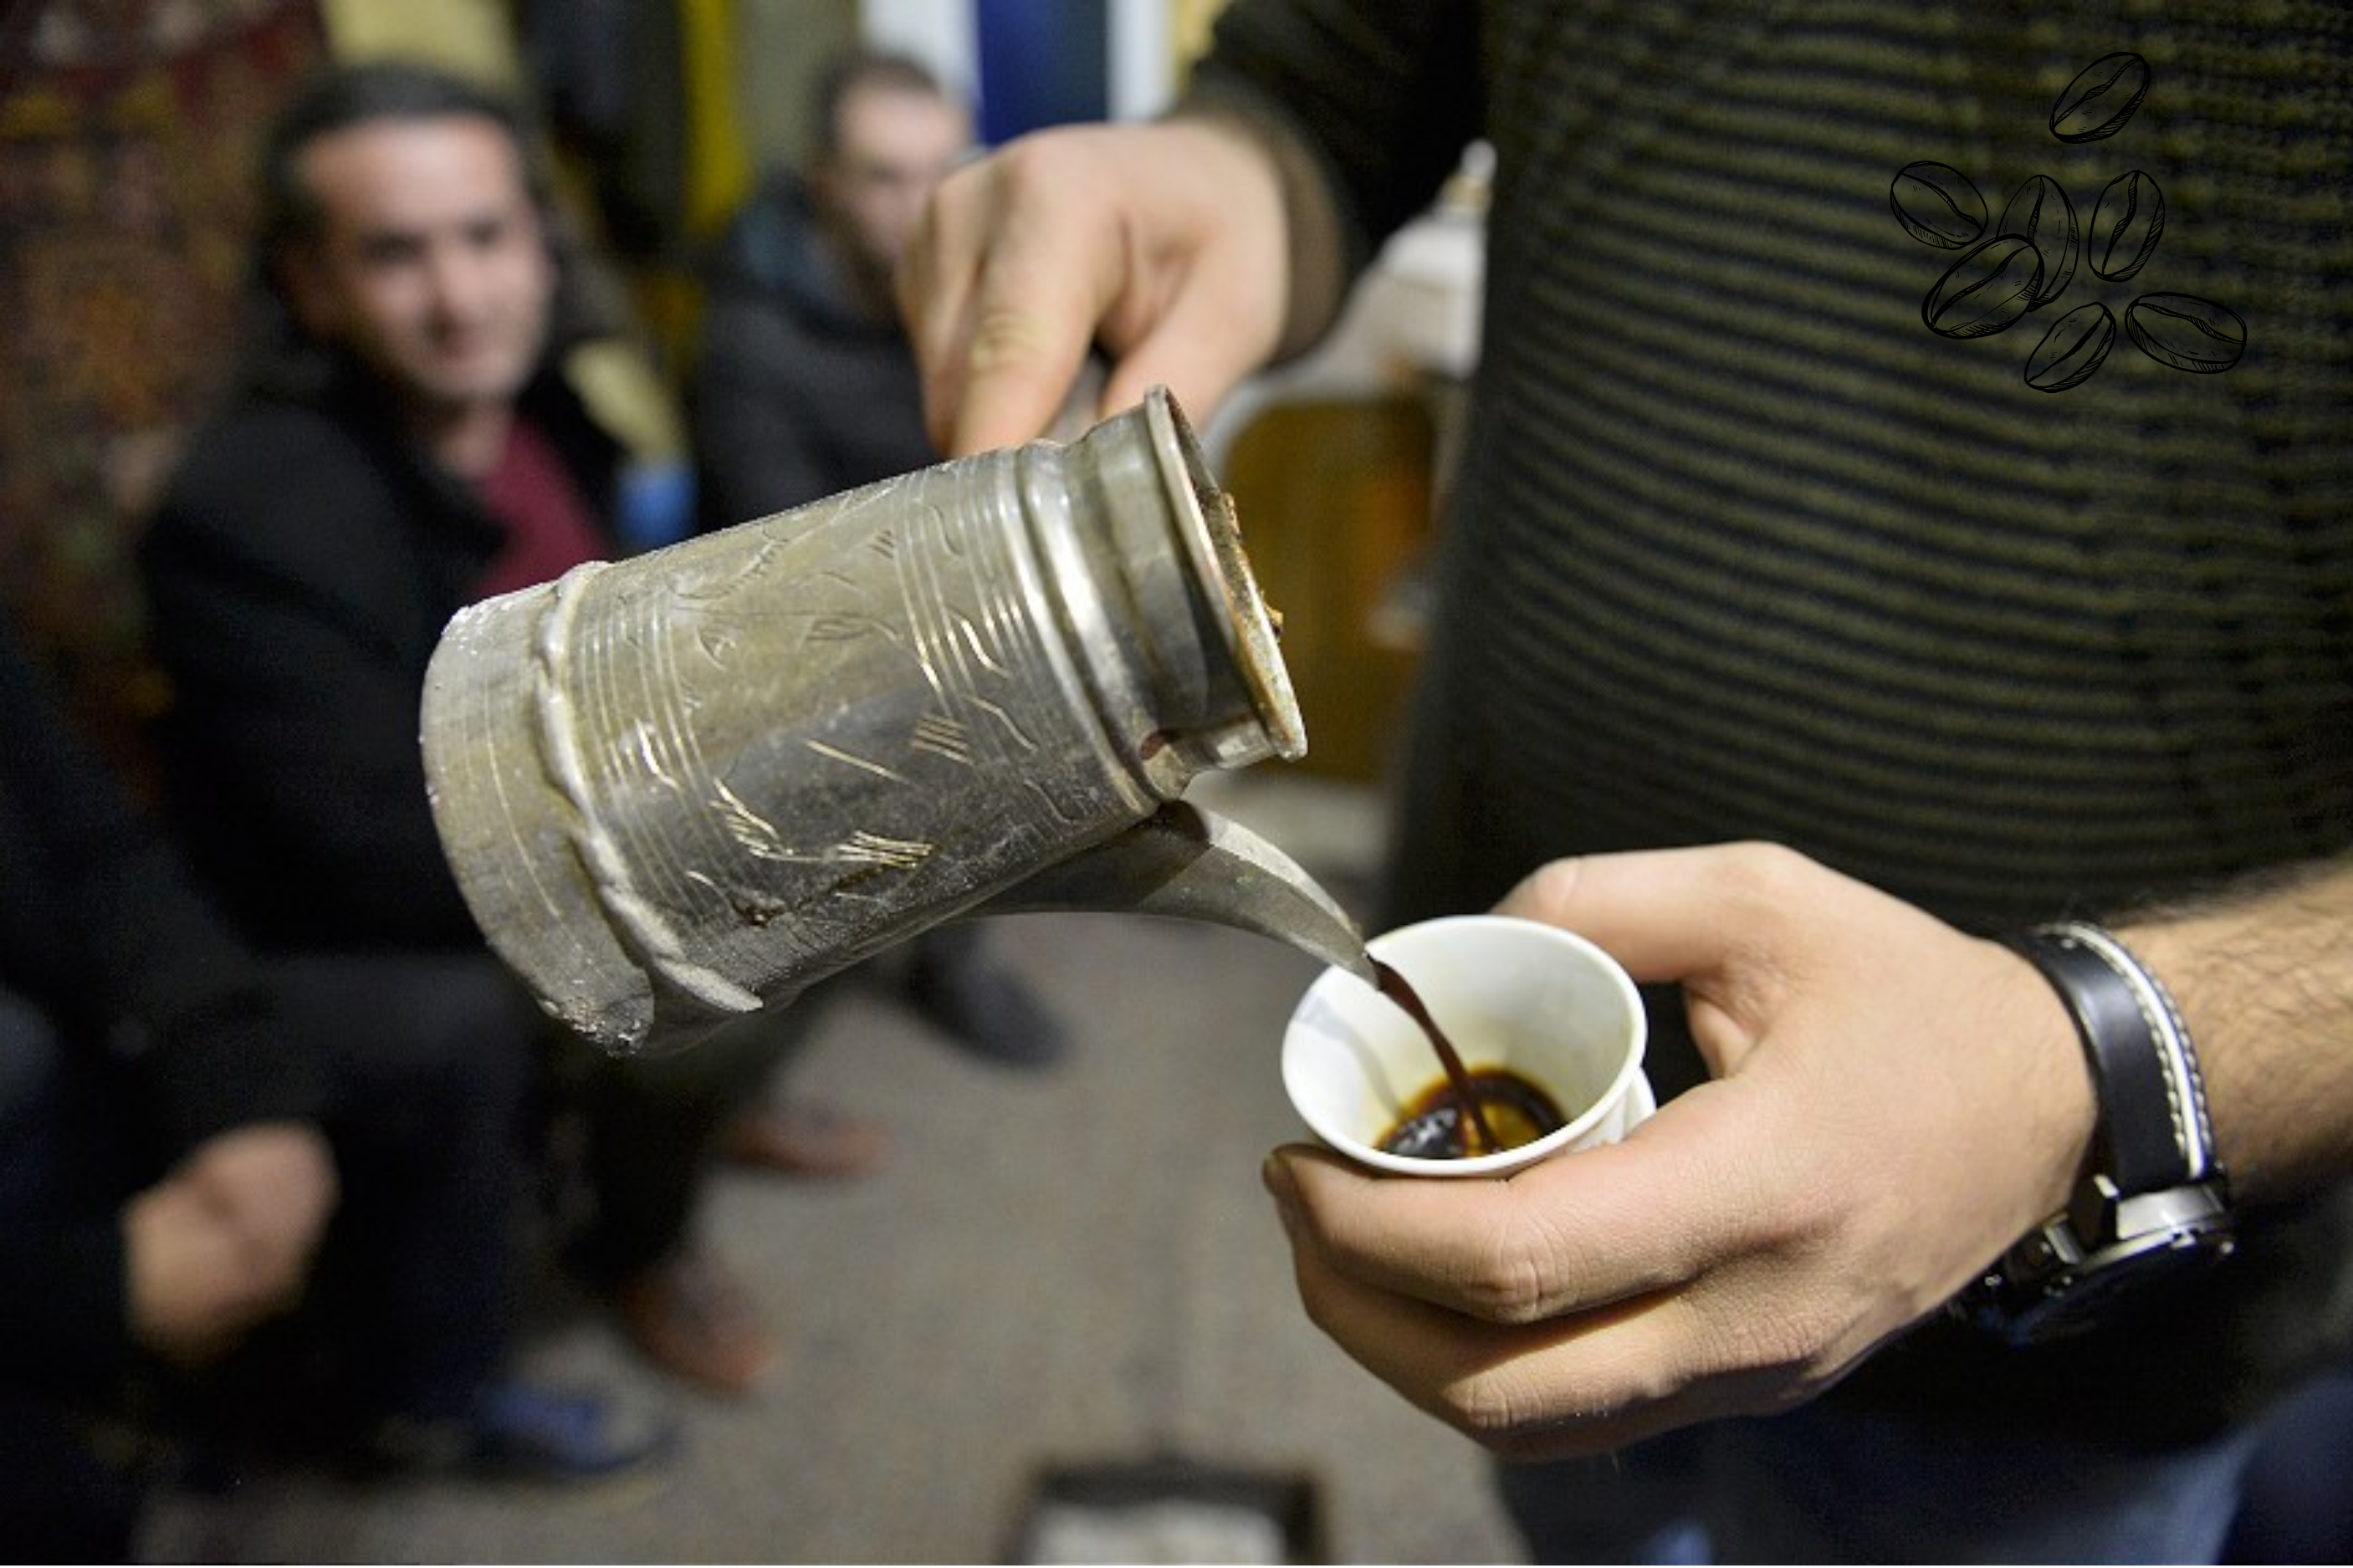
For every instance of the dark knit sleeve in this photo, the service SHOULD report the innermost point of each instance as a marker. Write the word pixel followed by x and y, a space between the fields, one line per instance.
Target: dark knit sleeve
pixel 1372 103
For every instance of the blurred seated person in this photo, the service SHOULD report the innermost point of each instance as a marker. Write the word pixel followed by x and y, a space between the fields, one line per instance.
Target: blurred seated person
pixel 402 442
pixel 804 386
pixel 191 1160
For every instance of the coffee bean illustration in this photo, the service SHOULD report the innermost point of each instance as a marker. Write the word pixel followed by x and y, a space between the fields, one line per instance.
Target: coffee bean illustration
pixel 2125 225
pixel 2031 259
pixel 2072 349
pixel 2041 212
pixel 2100 99
pixel 2185 332
pixel 1986 290
pixel 1936 205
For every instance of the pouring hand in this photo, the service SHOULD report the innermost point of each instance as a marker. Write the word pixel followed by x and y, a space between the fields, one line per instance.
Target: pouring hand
pixel 1163 244
pixel 1892 1103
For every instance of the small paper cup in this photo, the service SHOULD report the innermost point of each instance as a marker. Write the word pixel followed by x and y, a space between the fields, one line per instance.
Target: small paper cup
pixel 1542 1002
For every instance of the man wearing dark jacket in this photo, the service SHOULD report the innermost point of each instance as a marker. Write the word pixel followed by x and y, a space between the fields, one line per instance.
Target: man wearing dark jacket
pixel 403 444
pixel 1791 654
pixel 163 1178
pixel 227 1217
pixel 804 386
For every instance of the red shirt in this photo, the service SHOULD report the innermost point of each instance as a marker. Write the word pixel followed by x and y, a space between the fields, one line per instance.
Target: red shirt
pixel 549 528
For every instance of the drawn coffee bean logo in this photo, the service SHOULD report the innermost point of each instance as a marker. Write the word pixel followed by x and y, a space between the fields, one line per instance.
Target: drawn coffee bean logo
pixel 2125 225
pixel 1985 292
pixel 2031 255
pixel 2185 332
pixel 1936 205
pixel 2041 213
pixel 2102 96
pixel 2075 346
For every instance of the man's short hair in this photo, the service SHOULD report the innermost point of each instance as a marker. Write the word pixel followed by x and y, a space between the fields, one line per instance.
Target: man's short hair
pixel 276 350
pixel 362 94
pixel 858 69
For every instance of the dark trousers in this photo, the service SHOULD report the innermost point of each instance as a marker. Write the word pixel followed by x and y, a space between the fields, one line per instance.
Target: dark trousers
pixel 646 1129
pixel 412 1305
pixel 450 1082
pixel 432 1063
pixel 59 1500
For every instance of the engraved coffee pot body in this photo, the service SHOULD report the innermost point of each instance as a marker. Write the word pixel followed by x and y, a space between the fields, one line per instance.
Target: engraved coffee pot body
pixel 679 787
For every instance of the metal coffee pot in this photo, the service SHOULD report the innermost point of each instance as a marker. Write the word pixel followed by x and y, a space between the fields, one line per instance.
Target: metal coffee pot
pixel 679 787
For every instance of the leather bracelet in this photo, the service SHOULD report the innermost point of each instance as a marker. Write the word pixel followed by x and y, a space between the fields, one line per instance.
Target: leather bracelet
pixel 2154 1132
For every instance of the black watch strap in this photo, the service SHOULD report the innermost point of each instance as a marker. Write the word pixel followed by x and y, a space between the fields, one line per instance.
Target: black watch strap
pixel 2154 1133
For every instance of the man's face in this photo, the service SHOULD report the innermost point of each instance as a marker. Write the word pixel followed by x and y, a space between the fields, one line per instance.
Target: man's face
pixel 894 145
pixel 431 265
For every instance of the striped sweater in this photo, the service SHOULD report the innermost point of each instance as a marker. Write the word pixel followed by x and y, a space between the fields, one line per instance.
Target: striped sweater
pixel 1742 547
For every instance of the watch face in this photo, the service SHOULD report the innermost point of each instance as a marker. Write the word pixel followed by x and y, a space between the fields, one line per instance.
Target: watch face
pixel 2050 1285
pixel 2085 1295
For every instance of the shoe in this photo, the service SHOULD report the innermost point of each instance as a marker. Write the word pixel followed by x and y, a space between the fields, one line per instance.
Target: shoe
pixel 692 1318
pixel 980 1006
pixel 800 1139
pixel 519 1431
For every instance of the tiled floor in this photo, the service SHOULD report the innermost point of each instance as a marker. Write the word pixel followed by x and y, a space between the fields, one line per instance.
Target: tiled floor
pixel 1055 1269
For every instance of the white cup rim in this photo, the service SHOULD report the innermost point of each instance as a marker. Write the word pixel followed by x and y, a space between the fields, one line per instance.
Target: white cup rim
pixel 1628 1085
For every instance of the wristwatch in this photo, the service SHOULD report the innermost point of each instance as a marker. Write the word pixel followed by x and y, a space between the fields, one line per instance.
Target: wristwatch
pixel 2154 1206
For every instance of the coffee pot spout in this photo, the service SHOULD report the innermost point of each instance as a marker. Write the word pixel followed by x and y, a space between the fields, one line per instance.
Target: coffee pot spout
pixel 1191 863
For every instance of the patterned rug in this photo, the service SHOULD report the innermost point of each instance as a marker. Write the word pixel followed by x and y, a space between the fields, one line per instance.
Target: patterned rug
pixel 127 131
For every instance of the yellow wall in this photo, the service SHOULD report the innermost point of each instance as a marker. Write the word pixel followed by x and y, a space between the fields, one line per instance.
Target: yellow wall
pixel 476 37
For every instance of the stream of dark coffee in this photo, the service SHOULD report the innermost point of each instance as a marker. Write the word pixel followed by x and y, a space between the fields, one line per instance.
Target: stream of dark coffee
pixel 1399 990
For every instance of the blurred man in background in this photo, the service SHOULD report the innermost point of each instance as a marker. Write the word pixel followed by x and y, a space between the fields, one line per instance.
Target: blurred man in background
pixel 404 442
pixel 804 386
pixel 232 1229
pixel 164 1182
